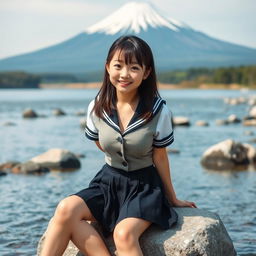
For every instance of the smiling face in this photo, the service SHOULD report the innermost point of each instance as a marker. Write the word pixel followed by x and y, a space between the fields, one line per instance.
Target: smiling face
pixel 125 77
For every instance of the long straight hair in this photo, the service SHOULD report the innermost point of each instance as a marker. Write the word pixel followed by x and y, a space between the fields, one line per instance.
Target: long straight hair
pixel 129 46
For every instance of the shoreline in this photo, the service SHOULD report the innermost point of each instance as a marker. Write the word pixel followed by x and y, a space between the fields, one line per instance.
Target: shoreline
pixel 96 85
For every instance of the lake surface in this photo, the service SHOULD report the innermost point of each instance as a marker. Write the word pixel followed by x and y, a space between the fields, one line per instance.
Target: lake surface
pixel 28 202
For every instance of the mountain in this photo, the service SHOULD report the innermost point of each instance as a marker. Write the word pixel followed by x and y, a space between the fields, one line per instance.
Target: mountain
pixel 174 44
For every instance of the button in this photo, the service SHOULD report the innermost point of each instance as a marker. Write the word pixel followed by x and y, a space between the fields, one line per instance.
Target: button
pixel 124 163
pixel 119 153
pixel 119 139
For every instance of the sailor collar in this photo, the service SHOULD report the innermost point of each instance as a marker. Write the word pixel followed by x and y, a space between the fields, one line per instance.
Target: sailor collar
pixel 136 121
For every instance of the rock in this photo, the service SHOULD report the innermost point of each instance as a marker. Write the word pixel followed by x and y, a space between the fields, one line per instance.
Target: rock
pixel 252 101
pixel 29 168
pixel 181 121
pixel 250 122
pixel 172 151
pixel 58 159
pixel 221 122
pixel 233 119
pixel 58 112
pixel 252 112
pixel 197 233
pixel 80 155
pixel 229 155
pixel 82 123
pixel 8 165
pixel 29 113
pixel 9 124
pixel 80 113
pixel 248 133
pixel 2 173
pixel 252 140
pixel 202 123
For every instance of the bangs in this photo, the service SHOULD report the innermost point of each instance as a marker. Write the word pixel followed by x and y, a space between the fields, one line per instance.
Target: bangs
pixel 130 52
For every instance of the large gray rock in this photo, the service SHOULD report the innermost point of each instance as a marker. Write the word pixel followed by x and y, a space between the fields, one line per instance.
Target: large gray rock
pixel 197 233
pixel 229 155
pixel 58 159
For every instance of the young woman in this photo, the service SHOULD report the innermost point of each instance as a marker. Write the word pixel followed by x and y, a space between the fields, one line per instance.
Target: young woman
pixel 131 124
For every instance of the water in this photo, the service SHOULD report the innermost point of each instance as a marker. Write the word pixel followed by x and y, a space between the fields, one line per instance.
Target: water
pixel 28 202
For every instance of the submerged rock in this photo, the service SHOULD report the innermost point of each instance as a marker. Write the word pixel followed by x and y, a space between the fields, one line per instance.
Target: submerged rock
pixel 181 121
pixel 80 113
pixel 172 151
pixel 59 159
pixel 229 155
pixel 2 173
pixel 202 123
pixel 253 112
pixel 29 113
pixel 9 124
pixel 29 168
pixel 221 122
pixel 197 233
pixel 58 112
pixel 233 119
pixel 82 123
pixel 8 165
pixel 249 122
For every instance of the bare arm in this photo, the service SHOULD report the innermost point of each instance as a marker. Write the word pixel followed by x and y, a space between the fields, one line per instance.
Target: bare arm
pixel 160 159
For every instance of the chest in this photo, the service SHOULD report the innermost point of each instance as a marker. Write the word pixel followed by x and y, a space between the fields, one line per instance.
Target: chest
pixel 125 115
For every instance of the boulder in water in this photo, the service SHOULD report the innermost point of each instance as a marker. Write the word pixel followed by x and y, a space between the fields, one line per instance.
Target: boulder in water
pixel 58 159
pixel 229 155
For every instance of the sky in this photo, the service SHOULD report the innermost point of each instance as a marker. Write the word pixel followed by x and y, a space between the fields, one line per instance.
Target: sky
pixel 29 25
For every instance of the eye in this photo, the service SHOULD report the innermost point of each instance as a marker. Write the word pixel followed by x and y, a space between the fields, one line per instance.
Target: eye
pixel 135 68
pixel 117 66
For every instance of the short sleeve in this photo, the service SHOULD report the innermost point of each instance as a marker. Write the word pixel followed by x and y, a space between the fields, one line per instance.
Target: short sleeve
pixel 164 131
pixel 91 132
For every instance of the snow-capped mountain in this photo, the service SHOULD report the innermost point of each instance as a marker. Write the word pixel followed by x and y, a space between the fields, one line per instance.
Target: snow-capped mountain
pixel 174 45
pixel 133 18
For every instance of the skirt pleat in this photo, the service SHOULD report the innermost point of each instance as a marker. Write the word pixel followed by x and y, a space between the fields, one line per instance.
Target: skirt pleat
pixel 114 195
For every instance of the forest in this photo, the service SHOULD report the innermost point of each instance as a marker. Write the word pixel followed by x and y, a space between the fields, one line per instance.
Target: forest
pixel 192 77
pixel 18 79
pixel 243 75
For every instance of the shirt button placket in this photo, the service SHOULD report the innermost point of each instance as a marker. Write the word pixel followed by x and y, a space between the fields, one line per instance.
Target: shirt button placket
pixel 121 153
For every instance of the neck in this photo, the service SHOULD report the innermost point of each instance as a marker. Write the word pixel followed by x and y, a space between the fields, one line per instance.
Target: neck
pixel 129 98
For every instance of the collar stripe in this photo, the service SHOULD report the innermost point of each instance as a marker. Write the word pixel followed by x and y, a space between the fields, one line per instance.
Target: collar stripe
pixel 135 125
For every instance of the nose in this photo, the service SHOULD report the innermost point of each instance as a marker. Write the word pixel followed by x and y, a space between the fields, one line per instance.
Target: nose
pixel 124 73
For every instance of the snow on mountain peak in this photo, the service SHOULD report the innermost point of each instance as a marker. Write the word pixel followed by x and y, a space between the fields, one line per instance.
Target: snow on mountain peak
pixel 133 17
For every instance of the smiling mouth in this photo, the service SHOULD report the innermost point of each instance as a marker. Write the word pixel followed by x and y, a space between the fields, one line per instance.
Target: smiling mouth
pixel 124 83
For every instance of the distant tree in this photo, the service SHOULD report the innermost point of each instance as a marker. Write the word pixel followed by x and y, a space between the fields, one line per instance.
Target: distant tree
pixel 18 79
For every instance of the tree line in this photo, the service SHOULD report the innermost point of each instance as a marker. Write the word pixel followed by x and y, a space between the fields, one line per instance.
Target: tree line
pixel 19 79
pixel 244 75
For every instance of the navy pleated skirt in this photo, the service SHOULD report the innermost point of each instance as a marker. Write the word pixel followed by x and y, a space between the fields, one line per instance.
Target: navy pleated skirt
pixel 114 195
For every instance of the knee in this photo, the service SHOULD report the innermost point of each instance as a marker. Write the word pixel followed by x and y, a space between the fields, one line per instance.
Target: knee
pixel 123 238
pixel 64 211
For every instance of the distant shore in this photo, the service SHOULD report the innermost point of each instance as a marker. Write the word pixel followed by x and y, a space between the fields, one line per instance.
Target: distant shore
pixel 94 85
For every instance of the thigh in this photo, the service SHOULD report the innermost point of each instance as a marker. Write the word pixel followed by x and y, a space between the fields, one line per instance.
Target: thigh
pixel 134 226
pixel 75 206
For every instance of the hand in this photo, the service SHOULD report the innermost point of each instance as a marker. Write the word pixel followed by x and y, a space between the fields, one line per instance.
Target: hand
pixel 183 203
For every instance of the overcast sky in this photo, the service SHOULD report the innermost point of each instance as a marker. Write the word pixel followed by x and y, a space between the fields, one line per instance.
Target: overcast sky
pixel 28 25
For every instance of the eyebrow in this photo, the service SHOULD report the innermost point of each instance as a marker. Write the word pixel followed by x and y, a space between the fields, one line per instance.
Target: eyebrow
pixel 130 63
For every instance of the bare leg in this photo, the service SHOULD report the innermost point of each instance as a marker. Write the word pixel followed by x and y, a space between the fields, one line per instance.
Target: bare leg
pixel 126 236
pixel 69 223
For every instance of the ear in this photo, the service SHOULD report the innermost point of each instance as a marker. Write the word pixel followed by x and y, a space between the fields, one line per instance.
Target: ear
pixel 107 67
pixel 146 73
